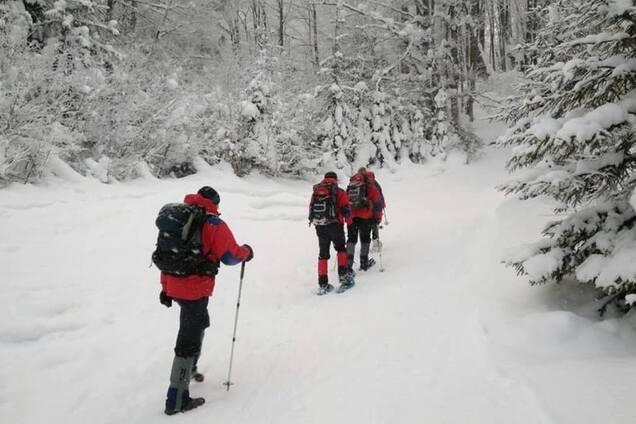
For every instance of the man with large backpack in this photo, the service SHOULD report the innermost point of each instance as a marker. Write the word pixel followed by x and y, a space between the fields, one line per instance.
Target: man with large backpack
pixel 192 242
pixel 329 211
pixel 366 210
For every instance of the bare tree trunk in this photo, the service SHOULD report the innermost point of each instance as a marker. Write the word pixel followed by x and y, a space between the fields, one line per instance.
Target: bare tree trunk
pixel 312 35
pixel 164 18
pixel 281 23
pixel 336 42
pixel 504 36
pixel 232 19
pixel 470 101
pixel 314 25
pixel 518 21
pixel 109 12
pixel 133 16
pixel 259 23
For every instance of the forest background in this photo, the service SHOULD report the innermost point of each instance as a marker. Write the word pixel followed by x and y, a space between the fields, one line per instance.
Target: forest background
pixel 119 88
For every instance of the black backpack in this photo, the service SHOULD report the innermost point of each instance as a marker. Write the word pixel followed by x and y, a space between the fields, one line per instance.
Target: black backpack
pixel 324 204
pixel 179 249
pixel 358 191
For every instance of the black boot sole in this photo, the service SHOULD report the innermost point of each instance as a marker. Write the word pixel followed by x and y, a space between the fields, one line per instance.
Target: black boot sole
pixel 192 404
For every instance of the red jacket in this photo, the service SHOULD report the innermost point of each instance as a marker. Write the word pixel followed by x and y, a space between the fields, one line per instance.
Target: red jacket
pixel 216 238
pixel 376 201
pixel 343 210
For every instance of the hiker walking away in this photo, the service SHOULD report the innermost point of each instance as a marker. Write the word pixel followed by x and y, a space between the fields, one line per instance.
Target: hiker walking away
pixel 191 290
pixel 328 212
pixel 366 210
pixel 375 230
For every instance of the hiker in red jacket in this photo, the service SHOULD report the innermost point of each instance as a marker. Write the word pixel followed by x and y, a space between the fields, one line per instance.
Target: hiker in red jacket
pixel 375 230
pixel 329 211
pixel 192 293
pixel 366 209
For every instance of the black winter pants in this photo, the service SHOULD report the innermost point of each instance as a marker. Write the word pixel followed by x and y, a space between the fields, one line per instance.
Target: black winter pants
pixel 361 227
pixel 327 234
pixel 193 320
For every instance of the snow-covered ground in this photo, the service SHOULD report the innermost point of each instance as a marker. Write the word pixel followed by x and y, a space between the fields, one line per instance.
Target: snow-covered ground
pixel 445 335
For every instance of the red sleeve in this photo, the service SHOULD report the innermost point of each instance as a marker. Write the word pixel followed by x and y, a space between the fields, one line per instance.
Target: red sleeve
pixel 224 247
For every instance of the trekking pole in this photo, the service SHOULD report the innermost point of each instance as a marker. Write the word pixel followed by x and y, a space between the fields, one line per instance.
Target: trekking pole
pixel 380 253
pixel 228 383
pixel 386 219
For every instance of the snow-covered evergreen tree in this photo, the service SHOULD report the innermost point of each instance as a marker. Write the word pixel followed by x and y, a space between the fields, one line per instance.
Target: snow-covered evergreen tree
pixel 440 140
pixel 337 130
pixel 382 126
pixel 255 145
pixel 574 131
pixel 416 145
pixel 365 149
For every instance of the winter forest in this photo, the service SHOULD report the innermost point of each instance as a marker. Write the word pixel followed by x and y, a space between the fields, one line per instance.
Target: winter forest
pixel 503 133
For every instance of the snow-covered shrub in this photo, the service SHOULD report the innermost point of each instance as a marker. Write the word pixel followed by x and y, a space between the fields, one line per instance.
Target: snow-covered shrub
pixel 364 127
pixel 44 93
pixel 574 128
pixel 294 130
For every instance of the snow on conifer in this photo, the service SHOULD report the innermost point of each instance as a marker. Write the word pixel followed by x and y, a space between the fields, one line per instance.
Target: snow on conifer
pixel 573 131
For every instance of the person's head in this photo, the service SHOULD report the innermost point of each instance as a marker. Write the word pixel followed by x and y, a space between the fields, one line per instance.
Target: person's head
pixel 362 170
pixel 210 194
pixel 331 174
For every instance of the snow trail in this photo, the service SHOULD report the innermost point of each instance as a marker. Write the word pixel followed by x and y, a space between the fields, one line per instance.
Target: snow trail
pixel 416 343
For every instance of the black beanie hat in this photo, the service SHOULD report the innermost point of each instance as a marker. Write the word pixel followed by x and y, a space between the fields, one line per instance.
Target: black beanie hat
pixel 210 194
pixel 331 174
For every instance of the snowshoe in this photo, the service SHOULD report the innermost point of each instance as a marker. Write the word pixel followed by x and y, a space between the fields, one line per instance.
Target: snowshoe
pixel 346 282
pixel 367 264
pixel 198 377
pixel 188 405
pixel 327 288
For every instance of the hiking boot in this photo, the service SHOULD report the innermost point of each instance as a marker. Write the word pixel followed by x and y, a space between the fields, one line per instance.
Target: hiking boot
pixel 346 282
pixel 324 289
pixel 366 263
pixel 187 405
pixel 347 279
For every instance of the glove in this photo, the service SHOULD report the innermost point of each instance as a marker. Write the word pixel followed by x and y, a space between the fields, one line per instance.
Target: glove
pixel 164 299
pixel 378 221
pixel 251 254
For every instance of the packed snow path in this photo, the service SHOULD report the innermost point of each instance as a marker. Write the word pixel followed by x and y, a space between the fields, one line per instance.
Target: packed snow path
pixel 445 335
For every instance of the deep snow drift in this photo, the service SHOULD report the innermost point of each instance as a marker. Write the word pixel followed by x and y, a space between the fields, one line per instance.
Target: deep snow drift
pixel 445 335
